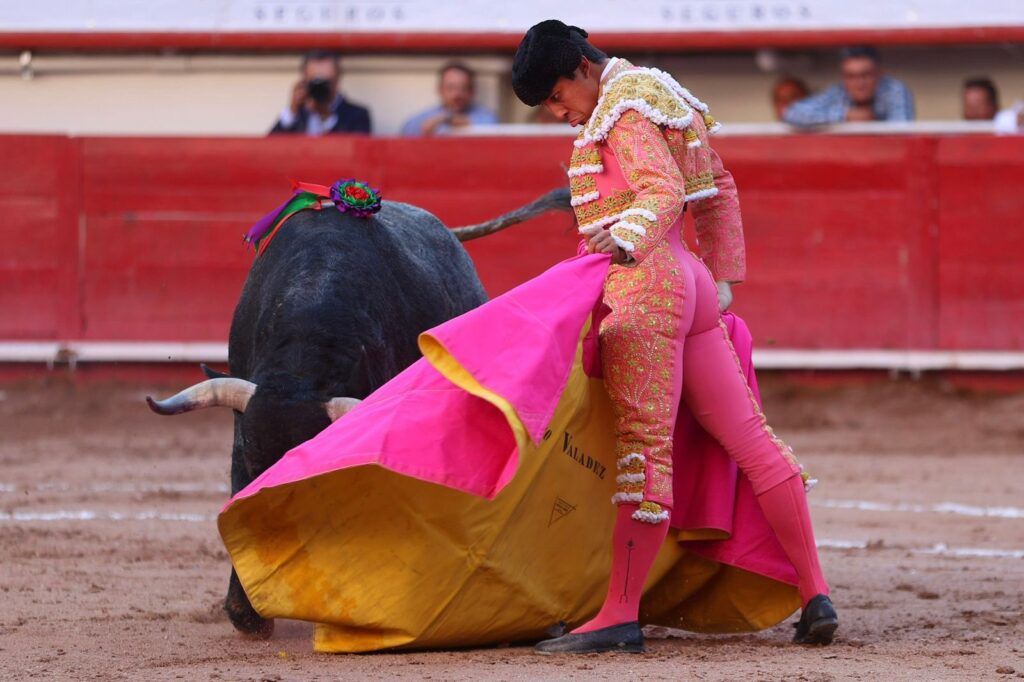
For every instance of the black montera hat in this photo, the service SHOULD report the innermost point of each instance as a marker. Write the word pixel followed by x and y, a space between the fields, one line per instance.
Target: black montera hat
pixel 546 53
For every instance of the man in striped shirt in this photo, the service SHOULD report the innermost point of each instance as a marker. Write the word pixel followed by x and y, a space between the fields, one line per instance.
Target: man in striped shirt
pixel 864 95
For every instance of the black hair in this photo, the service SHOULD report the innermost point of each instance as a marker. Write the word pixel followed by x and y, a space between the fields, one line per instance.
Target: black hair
pixel 987 85
pixel 320 56
pixel 589 51
pixel 860 51
pixel 550 50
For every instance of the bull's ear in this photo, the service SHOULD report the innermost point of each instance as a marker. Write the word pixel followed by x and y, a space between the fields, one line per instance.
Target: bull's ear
pixel 212 373
pixel 360 382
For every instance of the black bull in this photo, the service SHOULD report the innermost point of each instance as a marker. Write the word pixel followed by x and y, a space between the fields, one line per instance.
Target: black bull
pixel 330 312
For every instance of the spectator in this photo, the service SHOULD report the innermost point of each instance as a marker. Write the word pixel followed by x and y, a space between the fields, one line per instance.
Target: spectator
pixel 786 91
pixel 317 107
pixel 980 99
pixel 864 95
pixel 456 87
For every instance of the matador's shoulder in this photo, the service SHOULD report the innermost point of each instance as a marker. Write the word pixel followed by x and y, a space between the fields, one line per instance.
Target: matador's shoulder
pixel 653 94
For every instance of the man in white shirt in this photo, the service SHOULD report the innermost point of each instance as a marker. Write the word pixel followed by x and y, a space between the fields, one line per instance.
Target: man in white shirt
pixel 1010 121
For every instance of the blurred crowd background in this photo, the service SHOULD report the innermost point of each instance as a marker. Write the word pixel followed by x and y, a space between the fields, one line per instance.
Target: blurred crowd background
pixel 111 82
pixel 863 137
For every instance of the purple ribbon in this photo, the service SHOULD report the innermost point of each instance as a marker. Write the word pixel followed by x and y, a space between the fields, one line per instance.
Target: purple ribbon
pixel 262 225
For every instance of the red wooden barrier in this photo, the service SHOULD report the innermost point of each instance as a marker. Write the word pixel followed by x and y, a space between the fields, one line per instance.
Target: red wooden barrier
pixel 40 193
pixel 853 242
pixel 981 243
pixel 836 228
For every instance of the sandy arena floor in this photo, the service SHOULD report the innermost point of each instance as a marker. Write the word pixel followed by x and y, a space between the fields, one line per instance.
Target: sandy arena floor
pixel 111 567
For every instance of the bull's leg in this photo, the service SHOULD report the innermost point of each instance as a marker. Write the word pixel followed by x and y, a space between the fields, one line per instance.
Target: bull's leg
pixel 243 616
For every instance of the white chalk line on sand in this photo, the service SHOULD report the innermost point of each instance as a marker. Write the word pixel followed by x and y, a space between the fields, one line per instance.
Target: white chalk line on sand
pixel 91 515
pixel 954 508
pixel 53 487
pixel 940 549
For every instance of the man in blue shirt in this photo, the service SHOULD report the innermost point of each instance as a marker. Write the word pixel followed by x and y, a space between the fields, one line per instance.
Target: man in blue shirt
pixel 864 95
pixel 456 86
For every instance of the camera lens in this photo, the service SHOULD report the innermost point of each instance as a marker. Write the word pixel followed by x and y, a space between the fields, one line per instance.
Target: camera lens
pixel 319 90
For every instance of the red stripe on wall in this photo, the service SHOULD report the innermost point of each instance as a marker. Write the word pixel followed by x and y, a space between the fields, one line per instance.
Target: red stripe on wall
pixel 663 42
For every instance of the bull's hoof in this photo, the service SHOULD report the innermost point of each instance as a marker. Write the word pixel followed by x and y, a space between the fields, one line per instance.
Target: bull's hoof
pixel 265 629
pixel 248 622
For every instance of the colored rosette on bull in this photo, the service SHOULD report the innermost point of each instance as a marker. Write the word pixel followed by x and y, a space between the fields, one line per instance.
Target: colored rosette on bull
pixel 357 198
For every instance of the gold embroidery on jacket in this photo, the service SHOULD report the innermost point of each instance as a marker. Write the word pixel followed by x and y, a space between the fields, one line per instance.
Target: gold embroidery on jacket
pixel 642 91
pixel 582 184
pixel 703 181
pixel 617 202
pixel 585 156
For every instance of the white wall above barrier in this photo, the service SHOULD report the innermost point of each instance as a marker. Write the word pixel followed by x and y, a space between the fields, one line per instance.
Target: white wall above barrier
pixel 419 16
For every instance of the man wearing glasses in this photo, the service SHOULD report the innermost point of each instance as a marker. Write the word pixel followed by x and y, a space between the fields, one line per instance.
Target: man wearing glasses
pixel 864 95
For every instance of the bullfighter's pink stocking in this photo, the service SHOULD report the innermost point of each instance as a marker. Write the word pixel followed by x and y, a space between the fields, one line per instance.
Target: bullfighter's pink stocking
pixel 635 544
pixel 785 507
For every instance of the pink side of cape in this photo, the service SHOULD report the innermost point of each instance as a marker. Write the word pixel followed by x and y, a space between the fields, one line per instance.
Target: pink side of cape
pixel 521 346
pixel 705 474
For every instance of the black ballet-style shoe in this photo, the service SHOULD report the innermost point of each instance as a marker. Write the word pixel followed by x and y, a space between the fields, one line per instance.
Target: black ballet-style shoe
pixel 818 622
pixel 626 637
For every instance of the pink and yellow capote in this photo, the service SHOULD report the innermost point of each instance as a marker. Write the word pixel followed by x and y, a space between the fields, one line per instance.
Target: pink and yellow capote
pixel 466 502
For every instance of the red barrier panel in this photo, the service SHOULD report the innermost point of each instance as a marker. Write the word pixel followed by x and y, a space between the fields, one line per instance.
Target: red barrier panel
pixel 981 243
pixel 40 195
pixel 839 252
pixel 164 257
pixel 853 242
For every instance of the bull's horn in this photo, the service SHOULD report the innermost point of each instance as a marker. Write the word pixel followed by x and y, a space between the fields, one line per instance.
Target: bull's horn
pixel 233 393
pixel 339 407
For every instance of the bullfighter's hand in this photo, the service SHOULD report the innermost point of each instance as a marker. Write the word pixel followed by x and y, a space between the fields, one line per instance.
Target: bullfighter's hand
pixel 602 242
pixel 724 295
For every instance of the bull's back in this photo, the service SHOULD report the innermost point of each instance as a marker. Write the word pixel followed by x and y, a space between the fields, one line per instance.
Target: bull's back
pixel 332 291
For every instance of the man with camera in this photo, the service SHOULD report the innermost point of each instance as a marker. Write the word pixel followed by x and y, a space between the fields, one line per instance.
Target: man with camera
pixel 316 106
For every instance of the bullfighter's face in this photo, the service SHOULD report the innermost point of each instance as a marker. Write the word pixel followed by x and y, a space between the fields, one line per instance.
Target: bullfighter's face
pixel 573 100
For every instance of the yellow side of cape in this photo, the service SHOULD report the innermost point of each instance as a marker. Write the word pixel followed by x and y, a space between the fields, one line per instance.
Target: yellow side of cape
pixel 379 560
